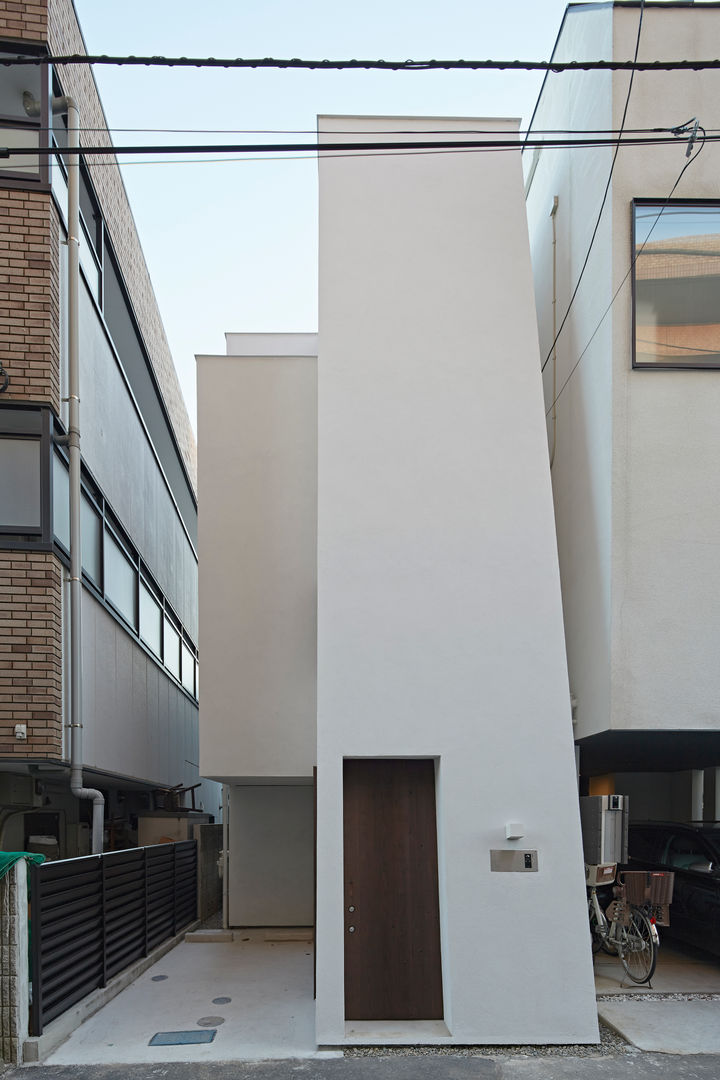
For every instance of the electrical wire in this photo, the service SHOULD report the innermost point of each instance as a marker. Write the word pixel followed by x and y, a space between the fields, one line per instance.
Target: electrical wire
pixel 403 146
pixel 637 255
pixel 384 131
pixel 39 60
pixel 604 198
pixel 92 166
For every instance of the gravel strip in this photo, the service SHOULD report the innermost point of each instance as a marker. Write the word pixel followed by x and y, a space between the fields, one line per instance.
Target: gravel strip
pixel 660 996
pixel 611 1045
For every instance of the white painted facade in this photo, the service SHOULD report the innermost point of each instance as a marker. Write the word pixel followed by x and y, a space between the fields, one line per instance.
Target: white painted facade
pixel 257 430
pixel 439 619
pixel 409 505
pixel 636 453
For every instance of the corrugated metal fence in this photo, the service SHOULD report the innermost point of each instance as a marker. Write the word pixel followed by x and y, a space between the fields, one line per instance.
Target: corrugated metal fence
pixel 92 917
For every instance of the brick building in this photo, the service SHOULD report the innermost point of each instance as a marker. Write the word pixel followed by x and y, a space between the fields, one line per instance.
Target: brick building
pixel 139 515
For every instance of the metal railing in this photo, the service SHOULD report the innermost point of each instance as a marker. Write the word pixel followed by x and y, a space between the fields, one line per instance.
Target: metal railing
pixel 92 917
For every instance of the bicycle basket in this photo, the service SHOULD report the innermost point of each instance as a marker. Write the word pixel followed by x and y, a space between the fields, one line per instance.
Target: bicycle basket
pixel 648 886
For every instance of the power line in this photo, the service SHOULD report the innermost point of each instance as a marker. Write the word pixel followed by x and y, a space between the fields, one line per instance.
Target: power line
pixel 604 198
pixel 384 131
pixel 635 258
pixel 332 147
pixel 361 65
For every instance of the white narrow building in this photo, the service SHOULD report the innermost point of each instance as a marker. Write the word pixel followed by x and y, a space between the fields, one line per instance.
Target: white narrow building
pixel 398 489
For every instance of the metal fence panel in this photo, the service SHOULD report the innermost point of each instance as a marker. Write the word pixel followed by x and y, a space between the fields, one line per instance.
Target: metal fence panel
pixel 94 916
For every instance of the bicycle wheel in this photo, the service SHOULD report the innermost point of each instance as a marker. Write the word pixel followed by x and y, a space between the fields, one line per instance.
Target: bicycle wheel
pixel 638 951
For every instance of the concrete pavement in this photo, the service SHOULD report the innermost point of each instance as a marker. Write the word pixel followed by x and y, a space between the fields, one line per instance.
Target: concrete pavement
pixel 402 1067
pixel 254 991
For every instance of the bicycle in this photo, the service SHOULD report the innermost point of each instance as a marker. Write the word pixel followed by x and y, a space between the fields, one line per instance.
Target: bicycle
pixel 630 932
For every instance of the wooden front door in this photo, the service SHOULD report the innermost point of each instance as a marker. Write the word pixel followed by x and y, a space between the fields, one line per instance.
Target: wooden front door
pixel 392 917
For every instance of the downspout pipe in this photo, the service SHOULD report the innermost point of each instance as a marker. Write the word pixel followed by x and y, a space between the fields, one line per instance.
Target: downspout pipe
pixel 553 213
pixel 68 105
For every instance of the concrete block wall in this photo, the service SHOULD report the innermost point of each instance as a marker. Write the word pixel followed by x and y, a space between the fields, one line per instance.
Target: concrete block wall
pixel 30 654
pixel 209 840
pixel 14 974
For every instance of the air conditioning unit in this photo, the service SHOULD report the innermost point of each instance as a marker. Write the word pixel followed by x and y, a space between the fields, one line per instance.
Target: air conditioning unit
pixel 18 790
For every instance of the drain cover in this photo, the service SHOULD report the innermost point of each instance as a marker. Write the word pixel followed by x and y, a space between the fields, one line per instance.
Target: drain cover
pixel 210 1021
pixel 182 1038
pixel 221 1001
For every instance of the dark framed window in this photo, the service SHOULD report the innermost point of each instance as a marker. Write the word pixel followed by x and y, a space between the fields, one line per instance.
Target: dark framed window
pixel 25 477
pixel 18 130
pixel 121 578
pixel 171 648
pixel 676 284
pixel 151 618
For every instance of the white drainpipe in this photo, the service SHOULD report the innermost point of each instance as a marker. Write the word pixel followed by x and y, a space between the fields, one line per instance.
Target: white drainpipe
pixel 59 105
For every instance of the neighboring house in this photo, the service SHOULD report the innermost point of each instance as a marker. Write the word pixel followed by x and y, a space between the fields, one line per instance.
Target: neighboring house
pixel 379 599
pixel 634 436
pixel 139 601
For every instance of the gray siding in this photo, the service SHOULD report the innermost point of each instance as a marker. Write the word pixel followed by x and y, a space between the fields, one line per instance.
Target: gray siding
pixel 118 453
pixel 137 721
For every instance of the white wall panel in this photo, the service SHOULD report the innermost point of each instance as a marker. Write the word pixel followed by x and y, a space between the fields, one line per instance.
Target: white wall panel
pixel 439 618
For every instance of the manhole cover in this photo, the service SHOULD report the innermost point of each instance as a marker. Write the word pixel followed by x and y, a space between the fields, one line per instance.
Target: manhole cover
pixel 221 1001
pixel 159 978
pixel 210 1021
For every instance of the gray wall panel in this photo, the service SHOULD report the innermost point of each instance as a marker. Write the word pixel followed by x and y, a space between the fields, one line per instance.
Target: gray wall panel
pixel 117 451
pixel 137 721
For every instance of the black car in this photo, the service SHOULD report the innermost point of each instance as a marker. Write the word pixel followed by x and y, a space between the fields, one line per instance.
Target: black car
pixel 692 852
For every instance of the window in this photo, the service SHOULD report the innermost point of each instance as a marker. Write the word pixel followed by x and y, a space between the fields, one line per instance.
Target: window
pixel 61 501
pixel 172 649
pixel 19 130
pixel 90 522
pixel 120 580
pixel 188 669
pixel 151 620
pixel 20 504
pixel 91 539
pixel 686 852
pixel 677 284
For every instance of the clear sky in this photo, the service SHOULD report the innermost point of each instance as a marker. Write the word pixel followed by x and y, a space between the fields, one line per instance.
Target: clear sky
pixel 232 246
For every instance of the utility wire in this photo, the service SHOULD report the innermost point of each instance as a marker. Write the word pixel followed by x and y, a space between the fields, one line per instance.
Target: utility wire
pixel 331 147
pixel 228 160
pixel 38 60
pixel 637 255
pixel 384 131
pixel 604 198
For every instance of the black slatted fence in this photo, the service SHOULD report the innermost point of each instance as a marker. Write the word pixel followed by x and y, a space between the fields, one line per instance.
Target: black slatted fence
pixel 92 917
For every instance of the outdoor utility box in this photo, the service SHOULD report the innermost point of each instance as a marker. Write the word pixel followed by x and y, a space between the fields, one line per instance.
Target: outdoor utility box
pixel 604 824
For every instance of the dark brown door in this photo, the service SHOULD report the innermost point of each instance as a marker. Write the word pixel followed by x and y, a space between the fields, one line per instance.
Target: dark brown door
pixel 392 918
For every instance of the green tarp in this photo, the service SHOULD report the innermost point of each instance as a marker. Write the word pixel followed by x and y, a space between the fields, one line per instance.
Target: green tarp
pixel 9 858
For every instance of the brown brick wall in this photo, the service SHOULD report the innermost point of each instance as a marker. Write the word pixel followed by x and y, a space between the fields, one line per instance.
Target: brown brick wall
pixel 23 19
pixel 29 345
pixel 30 654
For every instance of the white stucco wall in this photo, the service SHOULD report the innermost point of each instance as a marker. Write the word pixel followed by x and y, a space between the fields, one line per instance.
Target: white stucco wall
pixel 439 618
pixel 582 441
pixel 637 461
pixel 270 857
pixel 257 465
pixel 666 441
